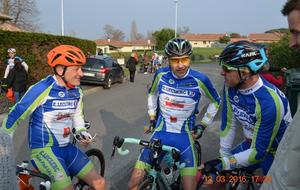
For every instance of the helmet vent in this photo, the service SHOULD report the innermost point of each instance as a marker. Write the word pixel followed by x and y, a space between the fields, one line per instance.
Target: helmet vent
pixel 56 57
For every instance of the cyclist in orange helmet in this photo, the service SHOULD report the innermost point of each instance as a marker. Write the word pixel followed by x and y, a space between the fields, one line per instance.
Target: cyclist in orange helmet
pixel 55 108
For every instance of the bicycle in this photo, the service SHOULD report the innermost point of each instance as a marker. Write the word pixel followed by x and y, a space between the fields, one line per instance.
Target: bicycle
pixel 4 101
pixel 231 177
pixel 24 174
pixel 164 170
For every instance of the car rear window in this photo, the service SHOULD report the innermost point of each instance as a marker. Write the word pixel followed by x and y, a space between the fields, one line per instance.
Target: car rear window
pixel 94 63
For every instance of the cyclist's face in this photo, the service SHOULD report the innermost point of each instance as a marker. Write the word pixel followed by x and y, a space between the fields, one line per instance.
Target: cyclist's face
pixel 179 65
pixel 231 75
pixel 11 54
pixel 294 25
pixel 73 75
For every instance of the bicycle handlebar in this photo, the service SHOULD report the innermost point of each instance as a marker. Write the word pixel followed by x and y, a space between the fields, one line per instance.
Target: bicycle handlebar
pixel 154 145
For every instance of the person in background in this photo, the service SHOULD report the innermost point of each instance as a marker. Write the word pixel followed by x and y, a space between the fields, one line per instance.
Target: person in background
pixel 131 65
pixel 284 171
pixel 17 79
pixel 10 61
pixel 267 74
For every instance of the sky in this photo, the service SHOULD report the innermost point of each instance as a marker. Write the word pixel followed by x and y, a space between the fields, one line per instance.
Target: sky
pixel 86 18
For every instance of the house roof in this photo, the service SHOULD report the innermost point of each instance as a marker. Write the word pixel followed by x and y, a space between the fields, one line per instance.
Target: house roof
pixel 116 43
pixel 192 37
pixel 5 17
pixel 142 42
pixel 10 27
pixel 265 36
pixel 238 39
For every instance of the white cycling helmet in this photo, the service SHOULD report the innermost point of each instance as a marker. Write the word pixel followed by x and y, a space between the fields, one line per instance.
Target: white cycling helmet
pixel 11 50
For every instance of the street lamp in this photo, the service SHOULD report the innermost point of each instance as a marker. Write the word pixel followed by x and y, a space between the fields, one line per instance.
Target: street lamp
pixel 62 17
pixel 176 7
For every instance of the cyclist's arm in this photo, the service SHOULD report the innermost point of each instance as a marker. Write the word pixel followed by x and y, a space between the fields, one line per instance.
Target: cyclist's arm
pixel 269 115
pixel 228 126
pixel 25 66
pixel 10 78
pixel 6 71
pixel 208 90
pixel 153 96
pixel 30 101
pixel 78 119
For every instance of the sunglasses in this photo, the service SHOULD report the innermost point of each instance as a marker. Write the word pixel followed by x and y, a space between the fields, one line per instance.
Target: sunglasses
pixel 175 61
pixel 227 68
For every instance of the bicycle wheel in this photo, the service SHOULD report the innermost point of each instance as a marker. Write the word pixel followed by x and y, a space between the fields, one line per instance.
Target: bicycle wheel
pixel 198 152
pixel 147 184
pixel 4 103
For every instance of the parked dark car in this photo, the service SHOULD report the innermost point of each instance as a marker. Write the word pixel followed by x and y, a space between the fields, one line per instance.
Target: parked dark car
pixel 103 70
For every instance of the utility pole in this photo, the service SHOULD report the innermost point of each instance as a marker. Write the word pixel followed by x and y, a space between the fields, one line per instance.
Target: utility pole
pixel 176 7
pixel 62 18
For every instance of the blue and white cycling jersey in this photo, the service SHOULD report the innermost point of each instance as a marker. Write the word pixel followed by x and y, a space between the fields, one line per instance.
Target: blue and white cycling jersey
pixel 54 111
pixel 179 98
pixel 263 112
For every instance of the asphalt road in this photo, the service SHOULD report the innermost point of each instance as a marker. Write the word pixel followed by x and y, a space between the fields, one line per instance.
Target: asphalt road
pixel 122 111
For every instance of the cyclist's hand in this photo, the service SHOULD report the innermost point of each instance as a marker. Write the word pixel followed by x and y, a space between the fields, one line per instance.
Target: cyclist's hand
pixel 214 168
pixel 197 133
pixel 85 138
pixel 150 128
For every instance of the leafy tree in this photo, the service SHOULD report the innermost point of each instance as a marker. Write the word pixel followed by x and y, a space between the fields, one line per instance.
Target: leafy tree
pixel 279 30
pixel 224 39
pixel 111 33
pixel 23 12
pixel 162 37
pixel 282 56
pixel 235 35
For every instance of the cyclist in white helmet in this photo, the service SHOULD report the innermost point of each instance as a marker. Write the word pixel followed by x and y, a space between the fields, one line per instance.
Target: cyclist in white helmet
pixel 10 61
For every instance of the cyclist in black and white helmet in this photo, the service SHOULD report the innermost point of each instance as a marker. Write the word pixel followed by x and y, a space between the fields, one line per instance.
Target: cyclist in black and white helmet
pixel 10 61
pixel 176 92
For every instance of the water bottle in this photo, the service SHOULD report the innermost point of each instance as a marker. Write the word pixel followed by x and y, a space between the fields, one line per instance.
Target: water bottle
pixel 168 169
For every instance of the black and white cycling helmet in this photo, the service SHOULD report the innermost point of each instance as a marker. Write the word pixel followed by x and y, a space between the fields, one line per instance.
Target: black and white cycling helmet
pixel 11 50
pixel 244 54
pixel 178 47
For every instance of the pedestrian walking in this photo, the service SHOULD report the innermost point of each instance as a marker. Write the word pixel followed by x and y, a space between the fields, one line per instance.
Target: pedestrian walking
pixel 131 65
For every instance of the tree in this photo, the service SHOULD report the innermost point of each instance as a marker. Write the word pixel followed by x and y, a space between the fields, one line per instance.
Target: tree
pixel 224 39
pixel 162 37
pixel 134 35
pixel 23 12
pixel 282 56
pixel 235 35
pixel 279 30
pixel 183 30
pixel 111 33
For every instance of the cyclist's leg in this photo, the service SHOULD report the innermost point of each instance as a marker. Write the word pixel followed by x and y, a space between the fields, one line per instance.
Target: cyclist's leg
pixel 93 179
pixel 47 162
pixel 185 143
pixel 79 165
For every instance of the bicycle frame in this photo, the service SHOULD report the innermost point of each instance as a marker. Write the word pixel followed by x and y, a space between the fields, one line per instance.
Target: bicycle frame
pixel 155 172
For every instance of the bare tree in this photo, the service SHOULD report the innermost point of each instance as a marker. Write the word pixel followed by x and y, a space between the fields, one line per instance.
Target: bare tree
pixel 23 12
pixel 134 35
pixel 183 30
pixel 111 33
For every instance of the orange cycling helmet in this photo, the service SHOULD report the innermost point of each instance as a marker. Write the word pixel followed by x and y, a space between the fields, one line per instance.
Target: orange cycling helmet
pixel 66 55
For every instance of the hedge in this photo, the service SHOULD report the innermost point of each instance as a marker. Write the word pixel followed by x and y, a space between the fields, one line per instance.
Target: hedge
pixel 33 48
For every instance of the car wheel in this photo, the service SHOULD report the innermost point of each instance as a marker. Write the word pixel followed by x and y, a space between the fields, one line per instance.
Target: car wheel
pixel 108 83
pixel 122 78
